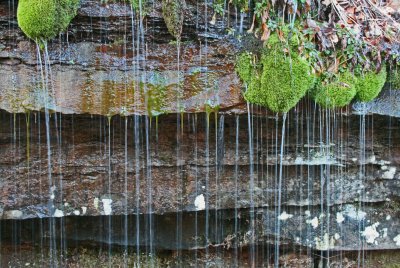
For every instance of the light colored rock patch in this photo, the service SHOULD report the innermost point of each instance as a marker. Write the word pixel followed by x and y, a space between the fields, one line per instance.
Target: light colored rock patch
pixel 384 232
pixel 107 206
pixel 200 202
pixel 397 240
pixel 284 216
pixel 339 217
pixel 353 213
pixel 370 233
pixel 96 203
pixel 13 214
pixel 389 173
pixel 307 213
pixel 84 209
pixel 58 213
pixel 314 222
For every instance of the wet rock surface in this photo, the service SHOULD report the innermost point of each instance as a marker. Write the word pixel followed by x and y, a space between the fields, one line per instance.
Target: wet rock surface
pixel 100 163
pixel 102 69
pixel 99 168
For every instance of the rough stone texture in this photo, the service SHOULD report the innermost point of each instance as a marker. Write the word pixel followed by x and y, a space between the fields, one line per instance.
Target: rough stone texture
pixel 89 175
pixel 103 70
pixel 163 165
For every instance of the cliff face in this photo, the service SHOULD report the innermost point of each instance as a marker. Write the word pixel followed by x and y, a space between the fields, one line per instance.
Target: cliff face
pixel 338 191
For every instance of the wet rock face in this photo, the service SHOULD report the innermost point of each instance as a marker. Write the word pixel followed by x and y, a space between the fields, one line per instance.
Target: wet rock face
pixel 105 68
pixel 136 165
pixel 335 194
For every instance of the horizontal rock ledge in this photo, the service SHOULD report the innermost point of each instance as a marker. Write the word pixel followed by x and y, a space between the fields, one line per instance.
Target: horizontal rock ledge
pixel 350 228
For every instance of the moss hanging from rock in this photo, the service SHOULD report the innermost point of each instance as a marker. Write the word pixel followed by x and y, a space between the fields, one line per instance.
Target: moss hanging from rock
pixel 370 84
pixel 244 66
pixel 337 92
pixel 284 81
pixel 42 20
pixel 173 14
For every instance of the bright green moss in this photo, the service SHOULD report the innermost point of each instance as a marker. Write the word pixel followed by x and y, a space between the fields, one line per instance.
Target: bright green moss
pixel 37 19
pixel 244 66
pixel 66 12
pixel 336 93
pixel 284 81
pixel 253 92
pixel 42 20
pixel 369 85
pixel 394 79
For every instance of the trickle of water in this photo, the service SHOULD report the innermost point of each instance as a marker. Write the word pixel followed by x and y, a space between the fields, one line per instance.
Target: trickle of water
pixel 279 188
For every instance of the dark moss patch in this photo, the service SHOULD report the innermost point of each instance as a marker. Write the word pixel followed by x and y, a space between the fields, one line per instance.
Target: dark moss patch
pixel 173 14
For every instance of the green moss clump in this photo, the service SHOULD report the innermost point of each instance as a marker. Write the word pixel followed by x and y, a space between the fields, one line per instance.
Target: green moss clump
pixel 394 79
pixel 284 81
pixel 42 20
pixel 290 39
pixel 335 93
pixel 244 66
pixel 370 84
pixel 172 11
pixel 66 12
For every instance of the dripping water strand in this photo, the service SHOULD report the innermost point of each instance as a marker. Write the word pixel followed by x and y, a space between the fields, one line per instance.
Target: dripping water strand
pixel 278 222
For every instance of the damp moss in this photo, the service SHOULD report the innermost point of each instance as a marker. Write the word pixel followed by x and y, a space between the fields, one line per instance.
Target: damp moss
pixel 42 20
pixel 244 66
pixel 173 14
pixel 337 92
pixel 284 80
pixel 289 38
pixel 369 85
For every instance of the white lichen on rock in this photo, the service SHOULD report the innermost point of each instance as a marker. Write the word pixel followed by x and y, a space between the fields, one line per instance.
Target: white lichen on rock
pixel 200 202
pixel 314 222
pixel 107 206
pixel 353 213
pixel 370 233
pixel 96 203
pixel 397 240
pixel 58 213
pixel 285 216
pixel 339 217
pixel 389 173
